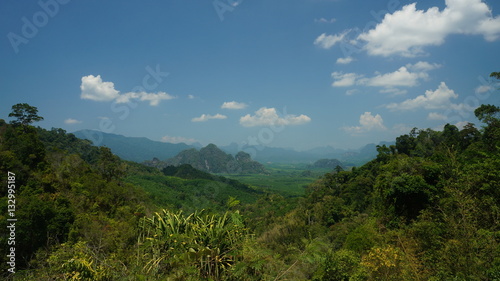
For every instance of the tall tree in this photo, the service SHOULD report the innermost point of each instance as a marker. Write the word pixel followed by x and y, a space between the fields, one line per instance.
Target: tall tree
pixel 495 75
pixel 488 113
pixel 25 114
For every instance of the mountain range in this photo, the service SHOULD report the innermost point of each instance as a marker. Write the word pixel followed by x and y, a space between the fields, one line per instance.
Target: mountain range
pixel 211 159
pixel 137 149
pixel 140 149
pixel 349 157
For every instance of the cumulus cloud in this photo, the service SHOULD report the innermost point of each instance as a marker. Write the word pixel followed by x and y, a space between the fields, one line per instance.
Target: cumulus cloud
pixel 483 89
pixel 170 139
pixel 71 121
pixel 406 76
pixel 423 66
pixel 346 60
pixel 460 125
pixel 344 79
pixel 437 99
pixel 153 98
pixel 327 41
pixel 436 116
pixel 367 122
pixel 407 31
pixel 268 117
pixel 400 77
pixel 233 105
pixel 93 88
pixel 206 117
pixel 323 20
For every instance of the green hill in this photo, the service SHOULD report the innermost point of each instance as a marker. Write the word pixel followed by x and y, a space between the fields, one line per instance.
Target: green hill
pixel 211 159
pixel 78 205
pixel 327 164
pixel 189 189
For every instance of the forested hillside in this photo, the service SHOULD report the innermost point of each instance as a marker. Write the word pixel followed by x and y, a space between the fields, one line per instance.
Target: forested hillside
pixel 212 159
pixel 427 208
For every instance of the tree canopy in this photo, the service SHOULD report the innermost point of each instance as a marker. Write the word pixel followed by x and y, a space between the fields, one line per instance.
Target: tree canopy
pixel 495 75
pixel 25 114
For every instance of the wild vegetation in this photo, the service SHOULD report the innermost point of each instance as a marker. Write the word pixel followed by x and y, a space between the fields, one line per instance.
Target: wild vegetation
pixel 426 208
pixel 286 179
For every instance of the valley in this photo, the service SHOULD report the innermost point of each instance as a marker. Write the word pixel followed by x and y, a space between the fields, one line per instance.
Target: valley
pixel 285 179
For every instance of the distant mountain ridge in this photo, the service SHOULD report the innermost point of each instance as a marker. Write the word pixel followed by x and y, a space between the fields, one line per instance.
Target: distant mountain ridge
pixel 137 149
pixel 213 160
pixel 349 157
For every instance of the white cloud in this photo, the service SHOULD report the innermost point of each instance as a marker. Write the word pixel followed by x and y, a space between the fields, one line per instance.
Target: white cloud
pixel 93 88
pixel 483 89
pixel 407 31
pixel 268 117
pixel 406 76
pixel 436 116
pixel 235 3
pixel 323 20
pixel 346 60
pixel 233 105
pixel 438 99
pixel 460 125
pixel 190 97
pixel 206 117
pixel 344 79
pixel 178 140
pixel 367 122
pixel 153 98
pixel 423 66
pixel 71 121
pixel 327 41
pixel 401 77
pixel 351 92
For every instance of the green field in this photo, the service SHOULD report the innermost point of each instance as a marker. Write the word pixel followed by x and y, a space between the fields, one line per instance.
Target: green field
pixel 287 179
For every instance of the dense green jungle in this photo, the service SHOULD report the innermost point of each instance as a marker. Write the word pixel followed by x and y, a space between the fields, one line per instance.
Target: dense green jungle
pixel 426 208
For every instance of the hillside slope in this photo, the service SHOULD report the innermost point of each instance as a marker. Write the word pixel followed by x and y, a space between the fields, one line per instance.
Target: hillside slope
pixel 211 159
pixel 78 205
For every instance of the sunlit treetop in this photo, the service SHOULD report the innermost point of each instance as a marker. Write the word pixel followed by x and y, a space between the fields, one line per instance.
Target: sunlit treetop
pixel 25 114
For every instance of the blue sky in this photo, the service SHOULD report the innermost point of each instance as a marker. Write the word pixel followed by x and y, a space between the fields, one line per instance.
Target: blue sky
pixel 295 73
